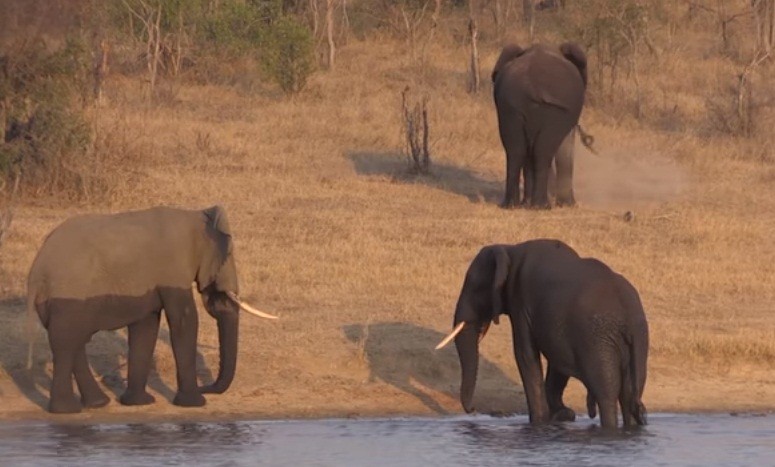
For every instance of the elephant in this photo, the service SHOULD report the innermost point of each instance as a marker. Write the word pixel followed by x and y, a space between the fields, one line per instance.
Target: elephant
pixel 586 320
pixel 539 94
pixel 106 271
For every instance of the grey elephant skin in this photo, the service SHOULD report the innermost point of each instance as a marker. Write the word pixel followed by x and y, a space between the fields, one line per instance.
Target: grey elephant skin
pixel 585 319
pixel 98 272
pixel 539 94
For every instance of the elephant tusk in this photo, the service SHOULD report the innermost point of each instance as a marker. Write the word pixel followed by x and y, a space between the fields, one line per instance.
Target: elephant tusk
pixel 249 308
pixel 451 335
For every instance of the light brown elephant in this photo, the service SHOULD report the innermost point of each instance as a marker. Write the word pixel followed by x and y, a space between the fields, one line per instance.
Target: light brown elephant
pixel 97 272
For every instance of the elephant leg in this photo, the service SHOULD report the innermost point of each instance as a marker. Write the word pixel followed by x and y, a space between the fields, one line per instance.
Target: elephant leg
pixel 555 385
pixel 531 372
pixel 142 342
pixel 180 309
pixel 608 417
pixel 91 395
pixel 553 125
pixel 564 163
pixel 529 176
pixel 515 144
pixel 65 343
pixel 627 403
pixel 539 197
pixel 603 380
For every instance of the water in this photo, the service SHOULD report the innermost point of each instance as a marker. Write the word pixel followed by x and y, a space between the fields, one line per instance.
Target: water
pixel 700 440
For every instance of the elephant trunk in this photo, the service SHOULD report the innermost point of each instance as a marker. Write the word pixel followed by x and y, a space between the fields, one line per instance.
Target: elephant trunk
pixel 467 343
pixel 228 331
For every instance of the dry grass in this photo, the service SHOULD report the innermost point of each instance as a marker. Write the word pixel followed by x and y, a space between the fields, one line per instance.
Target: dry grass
pixel 364 263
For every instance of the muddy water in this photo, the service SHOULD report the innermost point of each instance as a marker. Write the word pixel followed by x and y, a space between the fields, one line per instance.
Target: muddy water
pixel 700 440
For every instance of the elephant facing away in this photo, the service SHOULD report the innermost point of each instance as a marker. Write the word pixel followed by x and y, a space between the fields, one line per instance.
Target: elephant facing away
pixel 585 319
pixel 539 94
pixel 98 272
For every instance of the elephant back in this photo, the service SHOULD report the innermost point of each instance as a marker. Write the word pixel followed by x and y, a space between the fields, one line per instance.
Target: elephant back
pixel 542 74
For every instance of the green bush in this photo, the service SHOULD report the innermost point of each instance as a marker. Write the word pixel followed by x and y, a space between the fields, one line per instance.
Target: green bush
pixel 288 55
pixel 235 28
pixel 44 129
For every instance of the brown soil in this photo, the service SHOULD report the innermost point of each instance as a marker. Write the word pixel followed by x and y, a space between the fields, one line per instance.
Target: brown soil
pixel 364 263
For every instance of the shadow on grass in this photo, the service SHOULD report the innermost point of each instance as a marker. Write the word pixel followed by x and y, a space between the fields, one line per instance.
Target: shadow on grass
pixel 106 352
pixel 403 355
pixel 453 179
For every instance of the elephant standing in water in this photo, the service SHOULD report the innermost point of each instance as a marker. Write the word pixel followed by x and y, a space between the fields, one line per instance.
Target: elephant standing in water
pixel 585 319
pixel 98 272
pixel 539 93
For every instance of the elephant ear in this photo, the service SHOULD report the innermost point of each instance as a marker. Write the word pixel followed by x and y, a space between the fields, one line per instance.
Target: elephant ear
pixel 509 53
pixel 574 54
pixel 217 246
pixel 502 264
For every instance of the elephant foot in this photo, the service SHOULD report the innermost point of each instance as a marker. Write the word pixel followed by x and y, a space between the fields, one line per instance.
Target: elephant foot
pixel 211 389
pixel 565 414
pixel 136 398
pixel 64 405
pixel 541 206
pixel 189 399
pixel 94 401
pixel 566 203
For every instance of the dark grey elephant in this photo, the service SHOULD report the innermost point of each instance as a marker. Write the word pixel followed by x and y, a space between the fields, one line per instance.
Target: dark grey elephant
pixel 97 272
pixel 539 93
pixel 585 319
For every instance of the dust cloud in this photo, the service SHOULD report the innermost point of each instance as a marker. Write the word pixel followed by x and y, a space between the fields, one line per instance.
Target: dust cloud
pixel 625 178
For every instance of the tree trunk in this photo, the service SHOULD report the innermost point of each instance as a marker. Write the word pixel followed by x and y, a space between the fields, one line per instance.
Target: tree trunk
pixel 101 69
pixel 528 17
pixel 475 77
pixel 330 33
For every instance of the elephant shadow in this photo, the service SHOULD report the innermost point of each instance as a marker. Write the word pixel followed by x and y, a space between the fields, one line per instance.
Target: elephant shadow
pixel 446 177
pixel 403 355
pixel 106 351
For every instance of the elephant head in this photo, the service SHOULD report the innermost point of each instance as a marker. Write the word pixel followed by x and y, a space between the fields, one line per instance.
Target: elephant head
pixel 216 280
pixel 480 303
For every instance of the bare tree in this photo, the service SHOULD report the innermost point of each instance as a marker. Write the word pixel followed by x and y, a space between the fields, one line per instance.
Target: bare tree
pixel 150 17
pixel 330 32
pixel 723 16
pixel 528 17
pixel 100 69
pixel 416 131
pixel 473 31
pixel 9 196
pixel 744 107
pixel 764 16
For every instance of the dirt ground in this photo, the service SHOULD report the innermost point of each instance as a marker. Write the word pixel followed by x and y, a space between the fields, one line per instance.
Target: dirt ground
pixel 363 262
pixel 367 369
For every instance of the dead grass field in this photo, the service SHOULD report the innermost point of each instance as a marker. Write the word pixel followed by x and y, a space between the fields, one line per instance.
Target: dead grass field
pixel 364 263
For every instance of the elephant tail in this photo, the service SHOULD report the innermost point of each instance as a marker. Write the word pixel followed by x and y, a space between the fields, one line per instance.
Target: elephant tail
pixel 637 373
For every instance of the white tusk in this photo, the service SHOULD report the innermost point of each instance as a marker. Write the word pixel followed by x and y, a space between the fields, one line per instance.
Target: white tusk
pixel 451 335
pixel 249 308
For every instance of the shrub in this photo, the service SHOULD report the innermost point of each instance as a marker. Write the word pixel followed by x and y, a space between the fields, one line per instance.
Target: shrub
pixel 289 54
pixel 44 129
pixel 235 28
